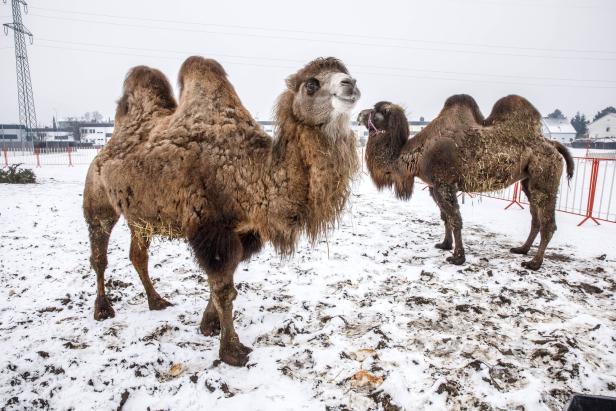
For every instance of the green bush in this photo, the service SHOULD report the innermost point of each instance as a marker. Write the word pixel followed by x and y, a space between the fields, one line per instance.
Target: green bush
pixel 14 175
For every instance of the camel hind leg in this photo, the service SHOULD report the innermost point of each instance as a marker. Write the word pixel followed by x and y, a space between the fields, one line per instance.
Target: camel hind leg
pixel 101 218
pixel 139 247
pixel 544 195
pixel 534 225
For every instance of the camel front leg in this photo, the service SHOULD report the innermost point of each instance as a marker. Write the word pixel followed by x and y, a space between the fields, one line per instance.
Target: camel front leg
pixel 534 224
pixel 447 243
pixel 445 196
pixel 232 351
pixel 218 250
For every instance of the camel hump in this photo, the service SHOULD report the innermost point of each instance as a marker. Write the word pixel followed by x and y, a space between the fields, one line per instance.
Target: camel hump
pixel 513 105
pixel 145 87
pixel 464 100
pixel 197 66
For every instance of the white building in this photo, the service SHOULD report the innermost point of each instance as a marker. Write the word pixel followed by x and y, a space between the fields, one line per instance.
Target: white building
pixel 96 133
pixel 603 128
pixel 12 133
pixel 268 126
pixel 49 135
pixel 558 129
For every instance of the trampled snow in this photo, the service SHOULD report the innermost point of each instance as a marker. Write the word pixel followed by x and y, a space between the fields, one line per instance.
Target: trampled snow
pixel 375 295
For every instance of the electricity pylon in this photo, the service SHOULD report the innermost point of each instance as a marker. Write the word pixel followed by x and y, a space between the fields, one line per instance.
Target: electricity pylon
pixel 25 98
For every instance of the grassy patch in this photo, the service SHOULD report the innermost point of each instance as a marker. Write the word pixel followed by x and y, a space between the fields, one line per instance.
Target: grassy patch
pixel 15 175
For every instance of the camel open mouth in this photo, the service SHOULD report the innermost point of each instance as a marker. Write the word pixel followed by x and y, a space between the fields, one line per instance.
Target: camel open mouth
pixel 347 99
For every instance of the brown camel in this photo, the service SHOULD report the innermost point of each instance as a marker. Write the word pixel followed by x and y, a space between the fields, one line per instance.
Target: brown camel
pixel 205 171
pixel 462 151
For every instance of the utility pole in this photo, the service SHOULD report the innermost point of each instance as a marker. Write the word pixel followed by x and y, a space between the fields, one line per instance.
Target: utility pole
pixel 25 98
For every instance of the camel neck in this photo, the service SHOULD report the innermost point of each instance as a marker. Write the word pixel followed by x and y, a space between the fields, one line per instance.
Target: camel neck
pixel 309 181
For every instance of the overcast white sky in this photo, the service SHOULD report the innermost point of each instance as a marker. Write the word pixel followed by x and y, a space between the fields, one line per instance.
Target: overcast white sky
pixel 556 53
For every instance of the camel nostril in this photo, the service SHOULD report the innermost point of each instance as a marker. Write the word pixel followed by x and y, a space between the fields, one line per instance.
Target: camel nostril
pixel 348 82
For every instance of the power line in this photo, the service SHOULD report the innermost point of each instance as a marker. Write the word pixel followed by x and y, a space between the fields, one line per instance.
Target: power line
pixel 295 61
pixel 337 34
pixel 253 35
pixel 355 71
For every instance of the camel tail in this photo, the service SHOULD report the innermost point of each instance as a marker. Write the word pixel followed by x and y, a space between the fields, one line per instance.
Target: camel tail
pixel 567 155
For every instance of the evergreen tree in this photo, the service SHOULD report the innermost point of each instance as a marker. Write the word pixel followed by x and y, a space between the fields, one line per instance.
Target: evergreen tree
pixel 580 124
pixel 557 114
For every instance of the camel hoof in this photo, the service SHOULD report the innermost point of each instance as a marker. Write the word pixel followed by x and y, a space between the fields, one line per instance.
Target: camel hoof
pixel 103 309
pixel 234 353
pixel 158 303
pixel 531 265
pixel 210 326
pixel 457 260
pixel 519 250
pixel 443 246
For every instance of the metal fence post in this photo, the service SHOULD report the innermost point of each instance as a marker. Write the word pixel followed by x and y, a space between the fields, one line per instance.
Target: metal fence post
pixel 594 174
pixel 515 199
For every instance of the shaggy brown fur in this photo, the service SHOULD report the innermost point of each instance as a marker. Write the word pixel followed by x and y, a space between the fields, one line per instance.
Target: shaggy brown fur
pixel 462 151
pixel 204 170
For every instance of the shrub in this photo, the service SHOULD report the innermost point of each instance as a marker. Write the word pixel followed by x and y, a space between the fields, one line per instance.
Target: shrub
pixel 14 175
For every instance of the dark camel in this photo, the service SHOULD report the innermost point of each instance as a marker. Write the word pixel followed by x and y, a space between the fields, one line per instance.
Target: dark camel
pixel 461 151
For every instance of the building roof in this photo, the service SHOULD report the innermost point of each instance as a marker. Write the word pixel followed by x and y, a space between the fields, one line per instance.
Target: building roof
pixel 604 118
pixel 61 130
pixel 557 125
pixel 84 124
pixel 12 126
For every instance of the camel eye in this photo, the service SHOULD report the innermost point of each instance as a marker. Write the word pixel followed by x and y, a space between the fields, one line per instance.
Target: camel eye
pixel 379 117
pixel 312 85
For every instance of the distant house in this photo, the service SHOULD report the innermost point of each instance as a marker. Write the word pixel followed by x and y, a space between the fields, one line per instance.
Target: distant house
pixel 95 133
pixel 603 128
pixel 558 129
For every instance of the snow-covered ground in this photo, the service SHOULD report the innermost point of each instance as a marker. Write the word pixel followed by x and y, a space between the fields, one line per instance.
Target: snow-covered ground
pixel 376 296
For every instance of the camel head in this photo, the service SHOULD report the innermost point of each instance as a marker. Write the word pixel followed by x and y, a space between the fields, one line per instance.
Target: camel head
pixel 388 130
pixel 322 93
pixel 386 118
